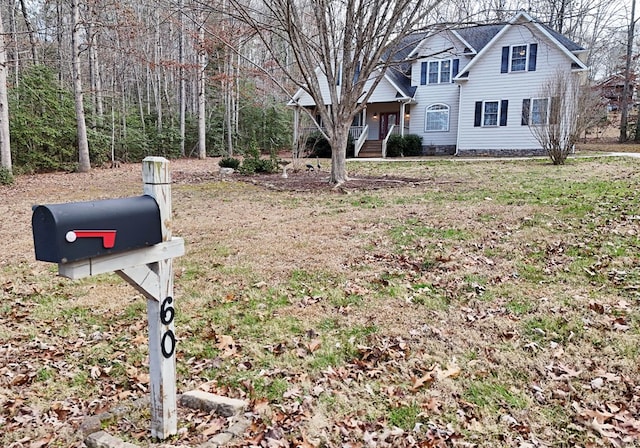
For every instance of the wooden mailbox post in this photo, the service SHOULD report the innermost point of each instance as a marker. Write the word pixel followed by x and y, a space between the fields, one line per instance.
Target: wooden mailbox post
pixel 148 269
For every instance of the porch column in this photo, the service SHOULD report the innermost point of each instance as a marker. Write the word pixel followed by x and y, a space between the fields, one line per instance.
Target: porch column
pixel 296 124
pixel 402 119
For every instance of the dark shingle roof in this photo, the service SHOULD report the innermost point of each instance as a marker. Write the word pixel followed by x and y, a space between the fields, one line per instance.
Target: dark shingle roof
pixel 564 40
pixel 477 36
pixel 401 79
pixel 400 73
pixel 480 35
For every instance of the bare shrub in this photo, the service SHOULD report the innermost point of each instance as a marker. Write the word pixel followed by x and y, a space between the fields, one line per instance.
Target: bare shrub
pixel 571 108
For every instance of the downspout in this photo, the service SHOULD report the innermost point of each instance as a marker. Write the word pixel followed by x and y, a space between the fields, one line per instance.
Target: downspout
pixel 296 125
pixel 455 154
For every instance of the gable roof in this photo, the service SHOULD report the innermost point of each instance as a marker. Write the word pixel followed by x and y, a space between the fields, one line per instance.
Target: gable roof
pixel 564 40
pixel 477 37
pixel 567 46
pixel 399 73
pixel 401 81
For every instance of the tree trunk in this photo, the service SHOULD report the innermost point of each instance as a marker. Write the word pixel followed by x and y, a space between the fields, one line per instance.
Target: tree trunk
pixel 202 122
pixel 5 143
pixel 140 100
pixel 83 144
pixel 158 78
pixel 624 104
pixel 96 79
pixel 59 37
pixel 338 142
pixel 183 88
pixel 228 106
pixel 14 54
pixel 32 37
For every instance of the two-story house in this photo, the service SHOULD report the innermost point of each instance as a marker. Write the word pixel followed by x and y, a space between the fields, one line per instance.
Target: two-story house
pixel 467 91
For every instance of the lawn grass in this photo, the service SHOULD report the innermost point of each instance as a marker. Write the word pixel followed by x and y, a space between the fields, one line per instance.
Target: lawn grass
pixel 493 303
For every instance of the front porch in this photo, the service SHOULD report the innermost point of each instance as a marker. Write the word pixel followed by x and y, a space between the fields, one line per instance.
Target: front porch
pixel 370 131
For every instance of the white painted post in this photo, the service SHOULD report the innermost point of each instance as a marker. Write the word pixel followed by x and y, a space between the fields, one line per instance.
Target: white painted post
pixel 150 271
pixel 160 311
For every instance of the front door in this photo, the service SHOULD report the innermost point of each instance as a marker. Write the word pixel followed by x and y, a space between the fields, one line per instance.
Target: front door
pixel 386 121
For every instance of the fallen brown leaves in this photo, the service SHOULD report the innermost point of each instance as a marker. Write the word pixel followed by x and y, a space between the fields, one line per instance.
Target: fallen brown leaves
pixel 503 305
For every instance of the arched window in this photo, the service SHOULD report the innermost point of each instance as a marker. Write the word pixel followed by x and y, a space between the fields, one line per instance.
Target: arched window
pixel 437 118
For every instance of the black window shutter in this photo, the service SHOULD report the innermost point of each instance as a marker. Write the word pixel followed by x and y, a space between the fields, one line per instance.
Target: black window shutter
pixel 423 74
pixel 554 110
pixel 478 117
pixel 504 104
pixel 533 55
pixel 455 68
pixel 526 105
pixel 504 68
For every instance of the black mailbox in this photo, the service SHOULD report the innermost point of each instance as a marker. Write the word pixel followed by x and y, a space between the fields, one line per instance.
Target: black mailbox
pixel 64 233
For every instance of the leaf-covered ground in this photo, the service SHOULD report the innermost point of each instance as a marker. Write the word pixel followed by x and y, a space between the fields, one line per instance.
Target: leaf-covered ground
pixel 436 303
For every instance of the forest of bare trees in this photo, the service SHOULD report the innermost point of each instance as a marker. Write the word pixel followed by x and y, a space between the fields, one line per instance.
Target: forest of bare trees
pixel 91 81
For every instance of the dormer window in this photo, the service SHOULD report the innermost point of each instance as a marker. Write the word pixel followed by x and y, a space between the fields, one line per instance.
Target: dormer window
pixel 519 58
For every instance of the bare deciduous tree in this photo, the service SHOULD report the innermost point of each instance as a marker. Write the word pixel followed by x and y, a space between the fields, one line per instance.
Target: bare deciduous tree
pixel 349 42
pixel 83 143
pixel 567 108
pixel 624 112
pixel 202 86
pixel 5 145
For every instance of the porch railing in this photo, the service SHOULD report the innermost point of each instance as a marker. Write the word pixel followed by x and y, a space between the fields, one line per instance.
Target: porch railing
pixel 359 142
pixel 392 130
pixel 309 130
pixel 357 133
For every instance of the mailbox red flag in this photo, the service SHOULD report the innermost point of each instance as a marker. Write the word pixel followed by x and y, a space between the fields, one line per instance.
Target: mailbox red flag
pixel 108 236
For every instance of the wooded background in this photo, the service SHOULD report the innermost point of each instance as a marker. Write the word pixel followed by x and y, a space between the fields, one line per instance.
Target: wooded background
pixel 147 73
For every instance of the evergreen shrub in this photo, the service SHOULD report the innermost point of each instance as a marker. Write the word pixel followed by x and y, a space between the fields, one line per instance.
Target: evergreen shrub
pixel 412 145
pixel 253 163
pixel 395 145
pixel 229 162
pixel 6 178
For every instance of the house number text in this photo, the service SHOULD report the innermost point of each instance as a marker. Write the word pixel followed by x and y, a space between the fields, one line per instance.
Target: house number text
pixel 168 341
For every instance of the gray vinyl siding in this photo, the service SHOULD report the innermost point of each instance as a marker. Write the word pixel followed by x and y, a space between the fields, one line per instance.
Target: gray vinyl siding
pixel 486 83
pixel 438 47
pixel 384 92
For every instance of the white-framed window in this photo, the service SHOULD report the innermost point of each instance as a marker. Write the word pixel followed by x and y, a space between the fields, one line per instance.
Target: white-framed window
pixel 434 68
pixel 539 110
pixel 445 71
pixel 535 111
pixel 439 71
pixel 490 113
pixel 437 118
pixel 519 58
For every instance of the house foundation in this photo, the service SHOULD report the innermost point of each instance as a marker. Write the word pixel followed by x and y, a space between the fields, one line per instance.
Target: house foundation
pixel 500 152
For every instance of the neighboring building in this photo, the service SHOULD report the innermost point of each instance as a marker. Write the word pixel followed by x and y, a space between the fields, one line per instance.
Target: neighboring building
pixel 612 88
pixel 467 91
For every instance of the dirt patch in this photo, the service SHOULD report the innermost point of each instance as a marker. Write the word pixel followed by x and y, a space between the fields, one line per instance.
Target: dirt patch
pixel 305 182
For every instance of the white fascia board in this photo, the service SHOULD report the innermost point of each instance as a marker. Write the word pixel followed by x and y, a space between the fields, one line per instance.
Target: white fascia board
pixel 464 42
pixel 486 49
pixel 512 22
pixel 549 36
